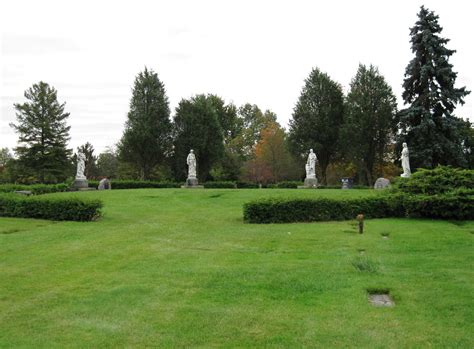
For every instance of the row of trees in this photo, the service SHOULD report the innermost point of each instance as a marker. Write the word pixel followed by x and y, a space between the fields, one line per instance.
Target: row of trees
pixel 358 134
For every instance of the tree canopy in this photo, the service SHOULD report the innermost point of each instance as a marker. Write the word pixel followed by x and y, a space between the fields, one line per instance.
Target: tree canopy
pixel 428 125
pixel 43 135
pixel 146 140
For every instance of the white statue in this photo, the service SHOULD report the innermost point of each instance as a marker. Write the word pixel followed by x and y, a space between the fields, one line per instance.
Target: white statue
pixel 405 159
pixel 311 165
pixel 191 161
pixel 81 166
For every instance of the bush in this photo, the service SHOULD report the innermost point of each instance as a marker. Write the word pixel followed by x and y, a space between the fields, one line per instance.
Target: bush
pixel 457 204
pixel 247 185
pixel 52 208
pixel 223 185
pixel 36 189
pixel 278 210
pixel 132 184
pixel 289 184
pixel 440 180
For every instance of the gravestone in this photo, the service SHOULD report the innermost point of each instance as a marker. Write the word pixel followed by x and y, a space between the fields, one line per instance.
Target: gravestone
pixel 346 183
pixel 381 183
pixel 105 184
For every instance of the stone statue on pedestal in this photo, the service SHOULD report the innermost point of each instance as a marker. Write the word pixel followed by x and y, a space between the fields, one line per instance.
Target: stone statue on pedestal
pixel 81 181
pixel 191 161
pixel 311 165
pixel 311 181
pixel 405 159
pixel 192 181
pixel 81 166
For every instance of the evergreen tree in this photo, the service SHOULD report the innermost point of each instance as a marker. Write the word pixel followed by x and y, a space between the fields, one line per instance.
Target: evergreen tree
pixel 370 118
pixel 197 127
pixel 433 133
pixel 146 139
pixel 43 135
pixel 317 118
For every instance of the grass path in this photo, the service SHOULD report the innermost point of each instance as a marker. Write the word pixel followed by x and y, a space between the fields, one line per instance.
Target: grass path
pixel 179 268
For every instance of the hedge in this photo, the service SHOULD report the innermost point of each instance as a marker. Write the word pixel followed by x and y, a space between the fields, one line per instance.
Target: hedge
pixel 457 205
pixel 439 180
pixel 52 208
pixel 36 189
pixel 223 185
pixel 132 184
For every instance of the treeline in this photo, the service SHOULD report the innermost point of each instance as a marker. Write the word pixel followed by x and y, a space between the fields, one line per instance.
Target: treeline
pixel 358 134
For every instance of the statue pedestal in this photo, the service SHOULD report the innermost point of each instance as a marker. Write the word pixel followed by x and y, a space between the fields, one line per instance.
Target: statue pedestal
pixel 80 184
pixel 309 183
pixel 192 183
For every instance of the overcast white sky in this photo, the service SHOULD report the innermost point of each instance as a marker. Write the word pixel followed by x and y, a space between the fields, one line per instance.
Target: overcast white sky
pixel 244 51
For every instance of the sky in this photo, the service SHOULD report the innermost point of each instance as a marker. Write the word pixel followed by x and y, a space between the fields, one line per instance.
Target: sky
pixel 256 52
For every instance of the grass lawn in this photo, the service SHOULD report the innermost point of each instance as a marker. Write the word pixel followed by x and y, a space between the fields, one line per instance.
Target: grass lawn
pixel 179 268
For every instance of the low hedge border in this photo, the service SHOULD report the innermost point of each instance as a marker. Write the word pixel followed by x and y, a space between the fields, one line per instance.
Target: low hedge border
pixel 130 184
pixel 282 210
pixel 458 205
pixel 36 189
pixel 222 185
pixel 51 208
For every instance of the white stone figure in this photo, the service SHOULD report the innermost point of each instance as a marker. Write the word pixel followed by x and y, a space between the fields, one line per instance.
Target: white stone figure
pixel 81 166
pixel 311 165
pixel 191 161
pixel 405 159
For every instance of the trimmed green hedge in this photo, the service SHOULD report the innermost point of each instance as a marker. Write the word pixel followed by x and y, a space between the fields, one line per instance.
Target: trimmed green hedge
pixel 456 205
pixel 288 185
pixel 131 184
pixel 56 208
pixel 247 185
pixel 280 210
pixel 223 185
pixel 36 189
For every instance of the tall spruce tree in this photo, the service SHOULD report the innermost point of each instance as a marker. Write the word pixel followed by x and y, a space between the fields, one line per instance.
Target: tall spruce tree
pixel 369 122
pixel 43 135
pixel 146 140
pixel 197 127
pixel 317 118
pixel 434 135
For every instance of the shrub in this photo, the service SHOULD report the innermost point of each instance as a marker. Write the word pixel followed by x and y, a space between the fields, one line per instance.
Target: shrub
pixel 247 185
pixel 278 210
pixel 224 185
pixel 440 180
pixel 52 208
pixel 36 189
pixel 289 184
pixel 457 204
pixel 132 184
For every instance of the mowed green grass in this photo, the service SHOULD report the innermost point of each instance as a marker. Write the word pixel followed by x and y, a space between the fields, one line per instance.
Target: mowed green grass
pixel 179 268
